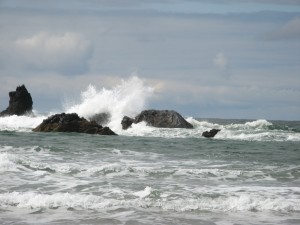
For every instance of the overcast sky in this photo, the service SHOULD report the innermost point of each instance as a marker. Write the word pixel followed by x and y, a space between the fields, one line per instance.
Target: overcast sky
pixel 226 59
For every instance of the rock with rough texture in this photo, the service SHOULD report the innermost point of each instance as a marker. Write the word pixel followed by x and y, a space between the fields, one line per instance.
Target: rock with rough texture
pixel 100 118
pixel 126 122
pixel 71 123
pixel 20 102
pixel 159 118
pixel 211 133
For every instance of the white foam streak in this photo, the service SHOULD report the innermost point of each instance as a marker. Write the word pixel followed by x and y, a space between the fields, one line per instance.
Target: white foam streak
pixel 20 123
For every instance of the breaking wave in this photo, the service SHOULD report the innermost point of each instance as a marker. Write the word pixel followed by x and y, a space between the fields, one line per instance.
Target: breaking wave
pixel 151 198
pixel 128 98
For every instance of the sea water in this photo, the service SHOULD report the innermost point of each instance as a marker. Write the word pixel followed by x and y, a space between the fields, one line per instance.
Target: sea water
pixel 248 174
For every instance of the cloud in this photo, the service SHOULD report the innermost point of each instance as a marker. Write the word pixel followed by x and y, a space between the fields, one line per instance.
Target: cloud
pixel 187 57
pixel 220 60
pixel 67 53
pixel 289 31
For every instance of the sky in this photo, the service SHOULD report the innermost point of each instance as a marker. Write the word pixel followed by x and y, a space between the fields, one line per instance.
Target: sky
pixel 203 58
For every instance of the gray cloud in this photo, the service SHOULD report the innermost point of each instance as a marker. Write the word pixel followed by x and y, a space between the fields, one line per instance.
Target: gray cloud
pixel 67 53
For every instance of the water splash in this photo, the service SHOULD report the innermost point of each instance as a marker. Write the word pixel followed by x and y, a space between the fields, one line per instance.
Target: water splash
pixel 128 98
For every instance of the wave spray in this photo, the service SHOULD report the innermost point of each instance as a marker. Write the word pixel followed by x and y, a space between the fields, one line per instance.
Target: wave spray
pixel 127 98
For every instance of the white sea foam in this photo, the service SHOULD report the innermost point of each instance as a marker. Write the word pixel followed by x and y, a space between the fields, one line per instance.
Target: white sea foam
pixel 7 162
pixel 144 193
pixel 20 123
pixel 258 130
pixel 258 124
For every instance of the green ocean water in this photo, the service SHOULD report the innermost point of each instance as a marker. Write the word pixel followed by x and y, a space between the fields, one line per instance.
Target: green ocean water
pixel 248 174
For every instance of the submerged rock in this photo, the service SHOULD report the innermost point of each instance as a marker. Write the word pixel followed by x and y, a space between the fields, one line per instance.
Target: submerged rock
pixel 71 123
pixel 211 133
pixel 158 118
pixel 20 102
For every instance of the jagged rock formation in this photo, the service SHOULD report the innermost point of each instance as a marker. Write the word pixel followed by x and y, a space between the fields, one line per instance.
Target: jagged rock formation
pixel 71 123
pixel 20 102
pixel 158 118
pixel 211 133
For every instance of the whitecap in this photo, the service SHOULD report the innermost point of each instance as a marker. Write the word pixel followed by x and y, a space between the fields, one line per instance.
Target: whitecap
pixel 144 193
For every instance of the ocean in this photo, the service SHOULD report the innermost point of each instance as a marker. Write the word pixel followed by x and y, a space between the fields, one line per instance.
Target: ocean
pixel 249 173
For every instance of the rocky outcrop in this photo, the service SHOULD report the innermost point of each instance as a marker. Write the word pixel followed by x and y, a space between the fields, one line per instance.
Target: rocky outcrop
pixel 211 133
pixel 71 123
pixel 20 102
pixel 158 118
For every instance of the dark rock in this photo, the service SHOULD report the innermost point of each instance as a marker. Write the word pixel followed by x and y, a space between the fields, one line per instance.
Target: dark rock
pixel 20 102
pixel 211 133
pixel 100 118
pixel 126 122
pixel 158 118
pixel 71 123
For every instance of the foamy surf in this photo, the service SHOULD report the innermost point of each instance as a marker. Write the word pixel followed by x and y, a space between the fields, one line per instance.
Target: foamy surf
pixel 63 178
pixel 20 123
pixel 148 199
pixel 259 130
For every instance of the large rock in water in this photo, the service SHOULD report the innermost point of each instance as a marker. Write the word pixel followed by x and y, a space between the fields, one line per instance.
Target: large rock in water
pixel 71 123
pixel 158 118
pixel 211 133
pixel 20 102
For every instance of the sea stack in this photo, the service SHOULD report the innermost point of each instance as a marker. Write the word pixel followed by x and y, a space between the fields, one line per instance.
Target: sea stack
pixel 20 102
